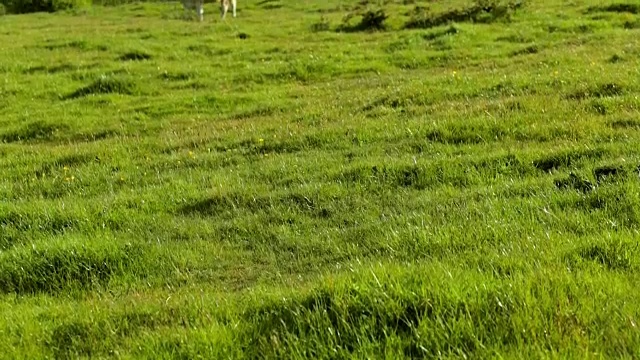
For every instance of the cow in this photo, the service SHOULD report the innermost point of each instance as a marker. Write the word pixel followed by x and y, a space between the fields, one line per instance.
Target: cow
pixel 198 6
pixel 224 6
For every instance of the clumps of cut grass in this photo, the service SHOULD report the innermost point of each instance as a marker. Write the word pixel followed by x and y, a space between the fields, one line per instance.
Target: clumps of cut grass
pixel 566 158
pixel 426 176
pixel 101 336
pixel 599 91
pixel 528 50
pixel 598 107
pixel 35 131
pixel 322 25
pixel 615 58
pixel 615 202
pixel 630 25
pixel 49 69
pixel 632 8
pixel 625 124
pixel 66 162
pixel 414 316
pixel 609 172
pixel 227 205
pixel 613 255
pixel 134 56
pixel 574 182
pixel 486 11
pixel 105 85
pixel 283 146
pixel 451 30
pixel 176 76
pixel 370 20
pixel 94 135
pixel 56 267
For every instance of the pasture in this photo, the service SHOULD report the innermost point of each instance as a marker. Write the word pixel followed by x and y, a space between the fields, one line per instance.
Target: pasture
pixel 461 183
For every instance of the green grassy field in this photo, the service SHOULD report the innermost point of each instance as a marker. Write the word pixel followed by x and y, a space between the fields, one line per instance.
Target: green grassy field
pixel 271 187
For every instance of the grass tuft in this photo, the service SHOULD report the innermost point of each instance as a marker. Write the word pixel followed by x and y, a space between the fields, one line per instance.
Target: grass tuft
pixel 105 85
pixel 134 56
pixel 52 269
pixel 481 12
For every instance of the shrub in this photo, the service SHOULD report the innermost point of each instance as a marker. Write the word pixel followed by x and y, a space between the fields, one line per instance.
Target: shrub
pixel 485 11
pixel 371 20
pixel 31 6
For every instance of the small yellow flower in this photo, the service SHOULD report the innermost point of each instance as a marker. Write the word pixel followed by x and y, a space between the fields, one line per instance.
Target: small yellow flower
pixel 191 154
pixel 261 140
pixel 121 178
pixel 65 168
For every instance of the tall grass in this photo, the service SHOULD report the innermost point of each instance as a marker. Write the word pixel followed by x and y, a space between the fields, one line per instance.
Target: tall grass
pixel 273 186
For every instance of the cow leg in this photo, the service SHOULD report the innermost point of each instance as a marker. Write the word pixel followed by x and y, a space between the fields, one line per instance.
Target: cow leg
pixel 200 9
pixel 224 6
pixel 233 4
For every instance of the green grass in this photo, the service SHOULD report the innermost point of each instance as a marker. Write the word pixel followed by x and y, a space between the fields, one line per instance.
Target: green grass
pixel 271 187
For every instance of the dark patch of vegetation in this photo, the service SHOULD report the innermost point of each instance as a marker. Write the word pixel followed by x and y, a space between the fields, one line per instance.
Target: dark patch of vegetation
pixel 574 182
pixel 49 270
pixel 284 146
pixel 207 50
pixel 616 256
pixel 630 25
pixel 451 30
pixel 104 85
pixel 598 108
pixel 600 91
pixel 225 206
pixel 625 124
pixel 566 158
pixel 615 58
pixel 98 337
pixel 49 69
pixel 178 76
pixel 134 56
pixel 243 36
pixel 515 38
pixel 74 44
pixel 322 25
pixel 95 135
pixel 632 8
pixel 33 6
pixel 222 205
pixel 370 20
pixel 357 318
pixel 38 130
pixel 604 173
pixel 531 49
pixel 487 11
pixel 68 161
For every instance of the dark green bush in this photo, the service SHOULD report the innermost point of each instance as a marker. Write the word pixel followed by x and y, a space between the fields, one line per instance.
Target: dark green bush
pixel 31 6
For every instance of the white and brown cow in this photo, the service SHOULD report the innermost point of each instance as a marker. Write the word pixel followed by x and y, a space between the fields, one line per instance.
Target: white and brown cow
pixel 198 6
